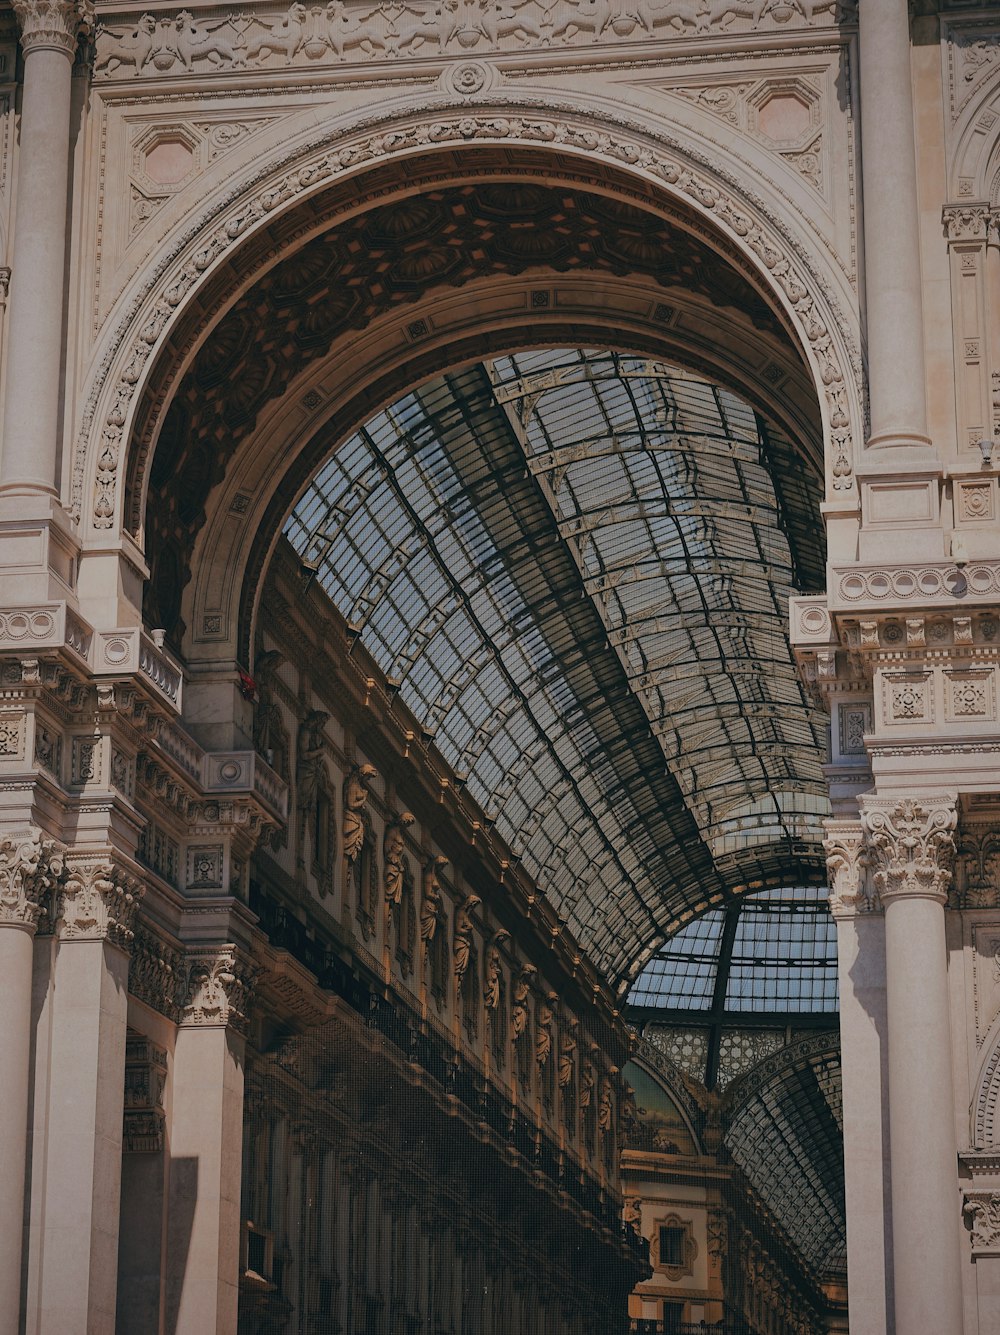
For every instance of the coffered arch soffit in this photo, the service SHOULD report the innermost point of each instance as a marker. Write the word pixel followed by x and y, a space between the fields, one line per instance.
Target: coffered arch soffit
pixel 297 191
pixel 974 166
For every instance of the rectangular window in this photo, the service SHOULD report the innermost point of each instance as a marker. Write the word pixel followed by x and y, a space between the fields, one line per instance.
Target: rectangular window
pixel 671 1245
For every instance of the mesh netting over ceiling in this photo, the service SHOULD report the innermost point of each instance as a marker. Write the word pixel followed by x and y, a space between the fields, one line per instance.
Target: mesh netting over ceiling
pixel 576 565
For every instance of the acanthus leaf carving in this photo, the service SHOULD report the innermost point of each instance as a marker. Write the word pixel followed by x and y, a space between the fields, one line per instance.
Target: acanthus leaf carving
pixel 846 860
pixel 911 844
pixel 220 988
pixel 53 24
pixel 982 1210
pixel 966 222
pixel 30 869
pixel 98 901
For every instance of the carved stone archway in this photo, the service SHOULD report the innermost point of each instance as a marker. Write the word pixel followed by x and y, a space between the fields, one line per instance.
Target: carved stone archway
pixel 286 195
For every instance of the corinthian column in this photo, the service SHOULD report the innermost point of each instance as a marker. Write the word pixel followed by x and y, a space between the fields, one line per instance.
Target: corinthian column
pixel 28 868
pixel 892 249
pixel 49 31
pixel 911 847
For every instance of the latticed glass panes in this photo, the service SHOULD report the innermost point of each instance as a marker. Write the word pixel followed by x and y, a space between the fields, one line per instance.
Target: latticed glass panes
pixel 576 564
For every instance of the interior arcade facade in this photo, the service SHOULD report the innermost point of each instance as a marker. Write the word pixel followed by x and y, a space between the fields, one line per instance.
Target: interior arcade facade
pixel 499 602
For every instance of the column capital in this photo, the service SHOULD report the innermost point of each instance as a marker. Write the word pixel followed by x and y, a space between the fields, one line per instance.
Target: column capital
pixel 911 844
pixel 220 986
pixel 982 1210
pixel 98 901
pixel 966 222
pixel 30 866
pixel 847 863
pixel 53 25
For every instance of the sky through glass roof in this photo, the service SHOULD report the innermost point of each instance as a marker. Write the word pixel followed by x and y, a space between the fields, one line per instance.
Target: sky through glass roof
pixel 576 565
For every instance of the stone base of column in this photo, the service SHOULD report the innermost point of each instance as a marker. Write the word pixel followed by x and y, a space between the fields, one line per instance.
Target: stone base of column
pixel 38 548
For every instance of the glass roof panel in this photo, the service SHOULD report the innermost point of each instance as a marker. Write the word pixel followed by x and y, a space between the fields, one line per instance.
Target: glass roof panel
pixel 576 564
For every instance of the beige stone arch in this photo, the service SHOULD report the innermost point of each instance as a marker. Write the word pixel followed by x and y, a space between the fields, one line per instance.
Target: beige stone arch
pixel 801 285
pixel 974 166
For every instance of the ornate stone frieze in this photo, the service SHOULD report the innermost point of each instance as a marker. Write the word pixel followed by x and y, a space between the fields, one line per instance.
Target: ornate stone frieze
pixel 156 974
pixel 982 1211
pixel 53 25
pixel 30 869
pixel 911 844
pixel 98 901
pixel 178 43
pixel 220 988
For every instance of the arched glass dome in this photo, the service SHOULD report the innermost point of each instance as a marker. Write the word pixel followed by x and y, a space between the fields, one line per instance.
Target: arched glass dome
pixel 740 981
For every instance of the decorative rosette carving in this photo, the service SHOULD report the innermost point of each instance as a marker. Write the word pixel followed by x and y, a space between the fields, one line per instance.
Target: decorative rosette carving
pixel 30 869
pixel 911 844
pixel 53 25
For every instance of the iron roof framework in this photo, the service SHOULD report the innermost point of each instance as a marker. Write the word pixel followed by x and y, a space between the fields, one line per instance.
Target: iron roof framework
pixel 766 961
pixel 576 565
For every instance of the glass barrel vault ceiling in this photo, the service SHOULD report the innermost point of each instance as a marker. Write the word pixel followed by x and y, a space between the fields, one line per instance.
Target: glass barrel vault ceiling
pixel 576 564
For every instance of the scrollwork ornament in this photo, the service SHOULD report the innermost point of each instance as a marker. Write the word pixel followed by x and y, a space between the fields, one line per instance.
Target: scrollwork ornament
pixel 30 868
pixel 911 844
pixel 98 901
pixel 53 25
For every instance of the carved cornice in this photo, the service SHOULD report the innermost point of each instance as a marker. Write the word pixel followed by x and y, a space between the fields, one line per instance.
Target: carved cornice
pixel 98 901
pixel 911 845
pixel 30 868
pixel 846 859
pixel 220 988
pixel 53 25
